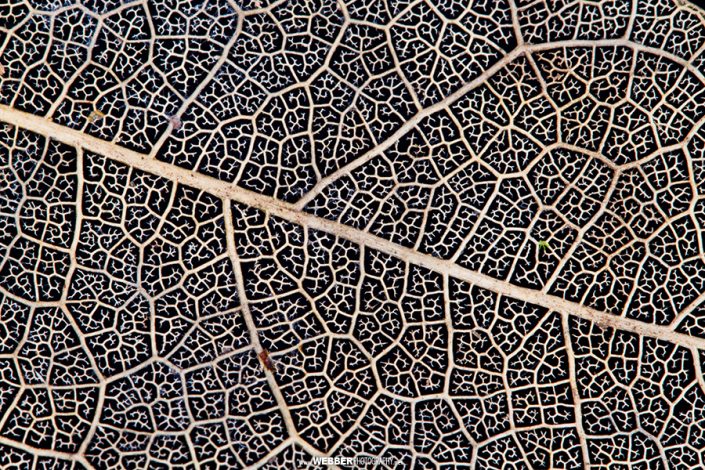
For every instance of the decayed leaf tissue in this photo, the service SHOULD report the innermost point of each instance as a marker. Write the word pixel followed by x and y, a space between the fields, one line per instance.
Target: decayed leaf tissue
pixel 397 234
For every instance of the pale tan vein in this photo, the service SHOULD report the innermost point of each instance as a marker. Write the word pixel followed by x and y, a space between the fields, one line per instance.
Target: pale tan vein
pixel 289 212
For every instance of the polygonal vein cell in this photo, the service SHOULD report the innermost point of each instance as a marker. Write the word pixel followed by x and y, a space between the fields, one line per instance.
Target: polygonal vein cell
pixel 523 145
pixel 38 213
pixel 357 337
pixel 572 170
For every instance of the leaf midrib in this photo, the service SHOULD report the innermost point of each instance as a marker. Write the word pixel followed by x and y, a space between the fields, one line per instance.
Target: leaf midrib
pixel 289 212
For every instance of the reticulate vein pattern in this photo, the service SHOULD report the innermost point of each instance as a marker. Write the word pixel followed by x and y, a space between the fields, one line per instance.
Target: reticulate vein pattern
pixel 435 233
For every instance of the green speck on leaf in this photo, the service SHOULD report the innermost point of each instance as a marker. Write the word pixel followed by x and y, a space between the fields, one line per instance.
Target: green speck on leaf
pixel 543 245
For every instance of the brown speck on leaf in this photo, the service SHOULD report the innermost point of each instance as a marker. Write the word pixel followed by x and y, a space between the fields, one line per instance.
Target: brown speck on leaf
pixel 2 70
pixel 266 360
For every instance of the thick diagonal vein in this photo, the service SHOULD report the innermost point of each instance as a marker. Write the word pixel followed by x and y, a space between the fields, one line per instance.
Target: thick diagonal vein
pixel 476 82
pixel 288 212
